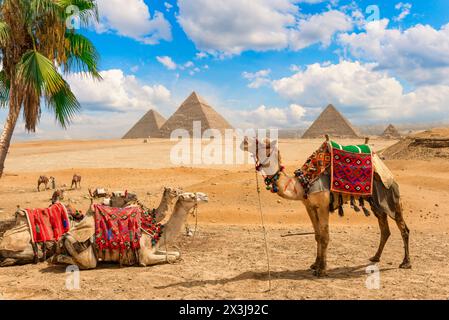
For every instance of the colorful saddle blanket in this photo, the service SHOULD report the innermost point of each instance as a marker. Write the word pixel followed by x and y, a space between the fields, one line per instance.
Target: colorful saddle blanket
pixel 352 169
pixel 117 228
pixel 48 224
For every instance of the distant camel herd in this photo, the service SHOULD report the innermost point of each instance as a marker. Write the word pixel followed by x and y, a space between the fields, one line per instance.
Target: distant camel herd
pixel 43 180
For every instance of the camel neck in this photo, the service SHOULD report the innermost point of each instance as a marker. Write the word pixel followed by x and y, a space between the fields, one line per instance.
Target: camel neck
pixel 174 225
pixel 290 188
pixel 162 210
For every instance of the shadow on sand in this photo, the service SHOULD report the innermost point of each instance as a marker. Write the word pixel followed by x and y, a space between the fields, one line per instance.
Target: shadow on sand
pixel 337 273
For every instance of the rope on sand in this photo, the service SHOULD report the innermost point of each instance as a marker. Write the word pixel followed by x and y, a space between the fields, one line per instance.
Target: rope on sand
pixel 264 233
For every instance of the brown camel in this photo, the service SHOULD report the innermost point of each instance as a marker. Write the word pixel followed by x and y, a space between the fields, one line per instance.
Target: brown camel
pixel 317 204
pixel 42 180
pixel 76 181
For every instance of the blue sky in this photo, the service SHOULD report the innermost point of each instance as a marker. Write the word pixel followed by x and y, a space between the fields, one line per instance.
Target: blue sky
pixel 271 63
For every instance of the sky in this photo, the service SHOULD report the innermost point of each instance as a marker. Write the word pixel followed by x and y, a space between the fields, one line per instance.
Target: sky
pixel 262 63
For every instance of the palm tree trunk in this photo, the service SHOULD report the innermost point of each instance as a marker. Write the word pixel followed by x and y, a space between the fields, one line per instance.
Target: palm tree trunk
pixel 8 130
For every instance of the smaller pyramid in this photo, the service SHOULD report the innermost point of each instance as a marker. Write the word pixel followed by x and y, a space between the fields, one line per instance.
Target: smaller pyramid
pixel 391 133
pixel 333 123
pixel 194 108
pixel 148 126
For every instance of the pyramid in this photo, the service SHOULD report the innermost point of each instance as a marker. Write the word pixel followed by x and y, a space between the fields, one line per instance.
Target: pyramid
pixel 148 126
pixel 194 108
pixel 333 123
pixel 391 133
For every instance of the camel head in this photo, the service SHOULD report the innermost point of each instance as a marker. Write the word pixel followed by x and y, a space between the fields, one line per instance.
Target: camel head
pixel 170 194
pixel 266 154
pixel 189 200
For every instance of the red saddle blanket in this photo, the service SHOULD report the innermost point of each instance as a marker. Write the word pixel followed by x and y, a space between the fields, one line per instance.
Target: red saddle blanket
pixel 48 224
pixel 117 228
pixel 352 173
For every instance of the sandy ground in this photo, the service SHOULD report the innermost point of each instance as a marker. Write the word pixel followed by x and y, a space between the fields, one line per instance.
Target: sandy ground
pixel 226 259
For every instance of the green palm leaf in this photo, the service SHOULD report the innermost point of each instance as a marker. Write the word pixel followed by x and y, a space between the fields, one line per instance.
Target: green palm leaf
pixel 4 33
pixel 64 105
pixel 4 89
pixel 82 55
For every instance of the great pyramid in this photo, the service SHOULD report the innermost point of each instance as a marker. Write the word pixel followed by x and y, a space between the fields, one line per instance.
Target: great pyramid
pixel 391 133
pixel 194 108
pixel 148 126
pixel 333 123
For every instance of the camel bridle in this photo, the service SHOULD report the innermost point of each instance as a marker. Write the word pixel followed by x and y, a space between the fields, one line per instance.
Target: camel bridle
pixel 269 180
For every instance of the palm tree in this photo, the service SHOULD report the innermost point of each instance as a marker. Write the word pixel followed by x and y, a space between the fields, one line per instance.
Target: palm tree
pixel 37 46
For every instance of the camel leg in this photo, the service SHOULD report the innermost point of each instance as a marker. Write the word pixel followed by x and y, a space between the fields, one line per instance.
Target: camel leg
pixel 153 259
pixel 8 262
pixel 313 217
pixel 168 253
pixel 405 233
pixel 323 221
pixel 384 235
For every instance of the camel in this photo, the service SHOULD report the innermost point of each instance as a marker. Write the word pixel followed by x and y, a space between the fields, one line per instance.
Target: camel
pixel 76 181
pixel 317 204
pixel 16 247
pixel 85 256
pixel 42 180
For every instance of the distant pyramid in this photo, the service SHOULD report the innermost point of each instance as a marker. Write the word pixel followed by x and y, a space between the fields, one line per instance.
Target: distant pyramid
pixel 194 108
pixel 391 133
pixel 333 123
pixel 148 126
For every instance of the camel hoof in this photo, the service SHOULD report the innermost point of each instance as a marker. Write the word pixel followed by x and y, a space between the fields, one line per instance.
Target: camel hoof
pixel 314 266
pixel 405 265
pixel 320 273
pixel 374 259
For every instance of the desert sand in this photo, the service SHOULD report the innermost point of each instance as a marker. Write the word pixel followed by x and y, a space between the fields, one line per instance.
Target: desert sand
pixel 226 258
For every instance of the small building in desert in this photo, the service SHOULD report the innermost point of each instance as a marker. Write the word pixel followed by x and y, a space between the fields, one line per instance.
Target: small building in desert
pixel 333 123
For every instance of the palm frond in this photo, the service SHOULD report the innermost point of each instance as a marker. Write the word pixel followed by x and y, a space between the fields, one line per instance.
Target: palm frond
pixel 81 55
pixel 4 89
pixel 4 33
pixel 87 10
pixel 37 72
pixel 64 105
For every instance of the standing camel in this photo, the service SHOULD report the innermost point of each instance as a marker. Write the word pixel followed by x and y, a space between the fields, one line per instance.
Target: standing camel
pixel 148 254
pixel 42 180
pixel 76 181
pixel 317 204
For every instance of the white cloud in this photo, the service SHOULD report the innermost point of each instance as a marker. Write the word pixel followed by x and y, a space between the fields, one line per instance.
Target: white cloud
pixel 319 28
pixel 201 55
pixel 359 88
pixel 405 10
pixel 132 19
pixel 419 55
pixel 257 79
pixel 167 62
pixel 266 117
pixel 117 92
pixel 168 6
pixel 229 27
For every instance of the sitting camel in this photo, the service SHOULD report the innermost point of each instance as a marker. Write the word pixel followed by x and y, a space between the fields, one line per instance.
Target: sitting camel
pixel 318 204
pixel 85 255
pixel 16 247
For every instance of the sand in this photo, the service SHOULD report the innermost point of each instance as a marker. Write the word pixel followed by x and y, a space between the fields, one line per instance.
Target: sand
pixel 226 259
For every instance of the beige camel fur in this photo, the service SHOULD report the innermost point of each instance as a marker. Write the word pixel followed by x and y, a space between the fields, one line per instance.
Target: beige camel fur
pixel 147 254
pixel 317 205
pixel 16 248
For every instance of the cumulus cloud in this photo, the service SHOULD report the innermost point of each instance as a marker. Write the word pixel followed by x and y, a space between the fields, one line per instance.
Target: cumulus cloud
pixel 319 28
pixel 266 117
pixel 117 92
pixel 132 19
pixel 419 55
pixel 167 62
pixel 360 88
pixel 257 79
pixel 229 27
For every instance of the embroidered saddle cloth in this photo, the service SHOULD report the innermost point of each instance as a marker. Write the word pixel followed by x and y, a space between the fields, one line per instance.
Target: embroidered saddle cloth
pixel 352 169
pixel 48 224
pixel 117 228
